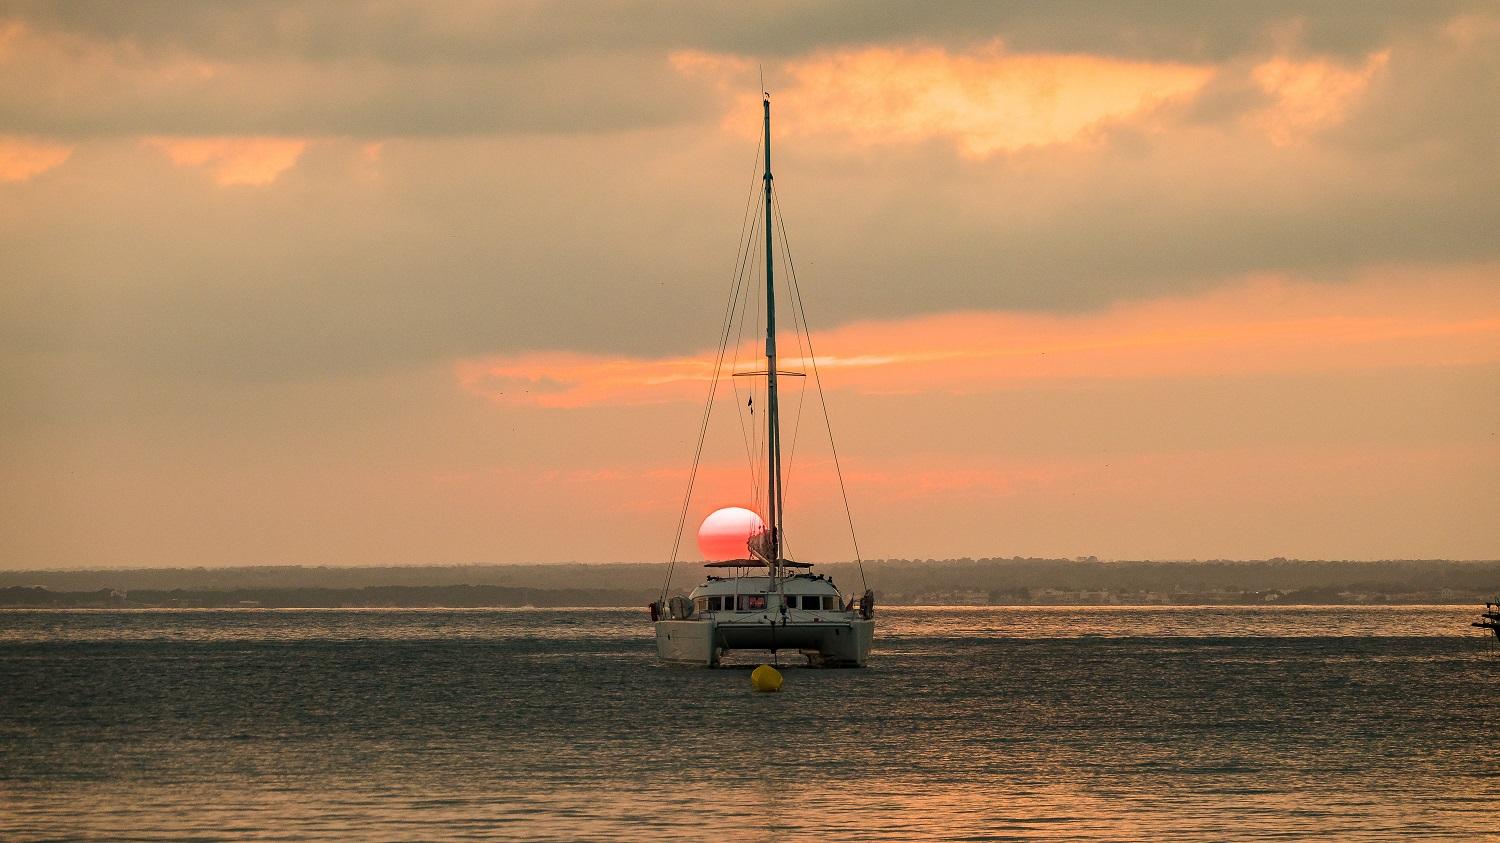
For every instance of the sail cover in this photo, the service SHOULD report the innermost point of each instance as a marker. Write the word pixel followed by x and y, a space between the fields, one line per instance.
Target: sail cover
pixel 761 546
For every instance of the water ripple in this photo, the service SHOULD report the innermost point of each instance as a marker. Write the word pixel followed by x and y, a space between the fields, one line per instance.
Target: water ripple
pixel 1101 723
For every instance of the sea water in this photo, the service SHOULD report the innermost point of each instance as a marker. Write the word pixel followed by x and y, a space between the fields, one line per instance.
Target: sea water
pixel 1104 723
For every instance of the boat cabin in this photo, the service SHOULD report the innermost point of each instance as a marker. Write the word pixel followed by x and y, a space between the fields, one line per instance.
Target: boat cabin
pixel 739 595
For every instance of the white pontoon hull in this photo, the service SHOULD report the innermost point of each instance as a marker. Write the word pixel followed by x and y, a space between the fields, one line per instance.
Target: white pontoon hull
pixel 703 641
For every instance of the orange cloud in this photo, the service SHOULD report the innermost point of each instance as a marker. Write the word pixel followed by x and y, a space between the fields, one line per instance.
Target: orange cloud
pixel 234 161
pixel 1263 325
pixel 1309 95
pixel 23 158
pixel 986 100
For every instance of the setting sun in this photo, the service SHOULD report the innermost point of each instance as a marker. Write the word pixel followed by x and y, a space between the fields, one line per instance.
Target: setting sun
pixel 724 533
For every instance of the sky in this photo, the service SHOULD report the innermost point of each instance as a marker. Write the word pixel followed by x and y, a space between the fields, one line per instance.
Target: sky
pixel 406 283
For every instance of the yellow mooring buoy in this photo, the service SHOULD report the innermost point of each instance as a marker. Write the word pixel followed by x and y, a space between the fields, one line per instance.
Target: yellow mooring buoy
pixel 765 678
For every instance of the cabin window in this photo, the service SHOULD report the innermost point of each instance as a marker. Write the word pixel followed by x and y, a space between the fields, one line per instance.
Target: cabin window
pixel 830 602
pixel 700 604
pixel 752 602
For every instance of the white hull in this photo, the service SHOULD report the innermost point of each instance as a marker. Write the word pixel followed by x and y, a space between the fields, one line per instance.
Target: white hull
pixel 704 641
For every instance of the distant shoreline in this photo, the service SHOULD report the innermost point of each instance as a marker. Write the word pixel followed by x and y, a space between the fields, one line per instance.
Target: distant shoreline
pixel 449 597
pixel 1011 581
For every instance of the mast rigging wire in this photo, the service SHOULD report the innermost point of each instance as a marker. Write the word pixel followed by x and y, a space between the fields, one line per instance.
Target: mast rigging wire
pixel 818 379
pixel 708 405
pixel 748 433
pixel 800 330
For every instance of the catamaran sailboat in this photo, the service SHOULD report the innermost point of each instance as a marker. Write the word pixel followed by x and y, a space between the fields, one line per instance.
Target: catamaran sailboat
pixel 765 601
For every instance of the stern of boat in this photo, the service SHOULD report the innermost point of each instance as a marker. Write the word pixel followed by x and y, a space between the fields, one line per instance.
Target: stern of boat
pixel 851 648
pixel 687 642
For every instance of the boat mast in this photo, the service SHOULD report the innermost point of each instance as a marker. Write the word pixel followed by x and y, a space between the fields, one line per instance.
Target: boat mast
pixel 773 421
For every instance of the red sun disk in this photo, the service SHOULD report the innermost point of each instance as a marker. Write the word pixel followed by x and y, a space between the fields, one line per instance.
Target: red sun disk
pixel 723 534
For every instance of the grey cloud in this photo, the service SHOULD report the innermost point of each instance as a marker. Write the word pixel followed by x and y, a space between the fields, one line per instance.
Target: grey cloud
pixel 400 69
pixel 416 31
pixel 1435 95
pixel 53 97
pixel 461 248
pixel 1132 233
pixel 1228 96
